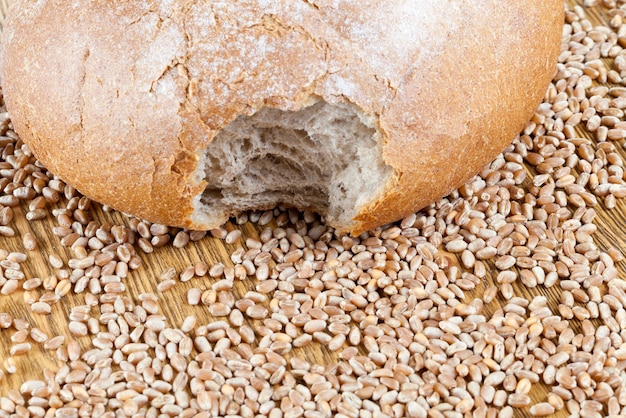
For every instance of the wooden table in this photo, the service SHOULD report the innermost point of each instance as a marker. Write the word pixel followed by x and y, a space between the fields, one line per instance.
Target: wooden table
pixel 611 226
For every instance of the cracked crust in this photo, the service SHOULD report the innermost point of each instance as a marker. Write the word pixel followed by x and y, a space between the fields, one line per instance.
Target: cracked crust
pixel 121 98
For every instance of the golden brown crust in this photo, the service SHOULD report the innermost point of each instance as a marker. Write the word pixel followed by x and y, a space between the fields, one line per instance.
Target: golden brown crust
pixel 121 98
pixel 474 110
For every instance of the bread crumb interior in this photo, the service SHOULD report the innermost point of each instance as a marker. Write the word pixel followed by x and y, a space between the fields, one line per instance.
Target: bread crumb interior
pixel 324 157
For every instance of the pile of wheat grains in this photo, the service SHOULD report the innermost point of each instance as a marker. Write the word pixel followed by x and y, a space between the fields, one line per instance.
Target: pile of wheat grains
pixel 495 301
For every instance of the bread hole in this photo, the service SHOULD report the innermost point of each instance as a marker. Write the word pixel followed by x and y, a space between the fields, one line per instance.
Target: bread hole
pixel 324 157
pixel 212 194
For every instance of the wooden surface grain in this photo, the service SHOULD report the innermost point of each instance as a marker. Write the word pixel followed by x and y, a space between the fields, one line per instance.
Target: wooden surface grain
pixel 611 232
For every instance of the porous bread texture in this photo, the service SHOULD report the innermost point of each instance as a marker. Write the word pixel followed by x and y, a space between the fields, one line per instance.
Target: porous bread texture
pixel 125 100
pixel 324 157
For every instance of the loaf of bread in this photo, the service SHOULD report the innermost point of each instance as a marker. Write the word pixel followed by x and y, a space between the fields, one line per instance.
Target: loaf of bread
pixel 187 113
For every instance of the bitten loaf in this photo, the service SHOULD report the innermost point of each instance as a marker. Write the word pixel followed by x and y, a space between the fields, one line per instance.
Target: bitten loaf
pixel 186 113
